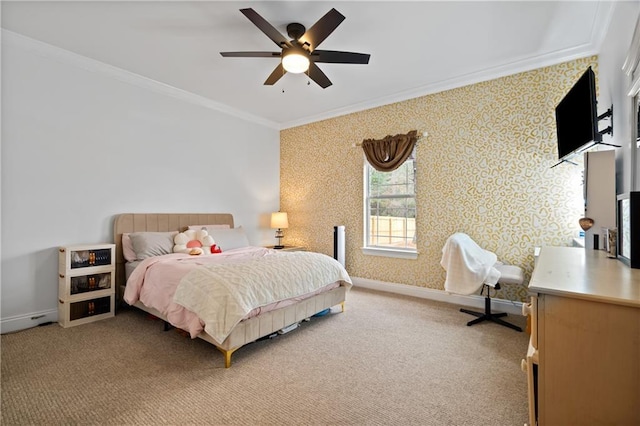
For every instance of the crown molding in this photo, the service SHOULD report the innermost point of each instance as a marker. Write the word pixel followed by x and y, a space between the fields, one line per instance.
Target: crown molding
pixel 601 22
pixel 599 29
pixel 631 66
pixel 600 26
pixel 492 73
pixel 92 65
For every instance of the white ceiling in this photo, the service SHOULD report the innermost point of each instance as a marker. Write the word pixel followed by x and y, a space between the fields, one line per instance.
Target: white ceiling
pixel 416 47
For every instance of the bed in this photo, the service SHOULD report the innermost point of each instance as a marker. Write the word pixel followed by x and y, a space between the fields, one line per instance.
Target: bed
pixel 261 322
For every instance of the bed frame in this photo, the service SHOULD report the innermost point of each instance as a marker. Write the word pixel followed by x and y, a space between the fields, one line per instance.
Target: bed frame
pixel 246 331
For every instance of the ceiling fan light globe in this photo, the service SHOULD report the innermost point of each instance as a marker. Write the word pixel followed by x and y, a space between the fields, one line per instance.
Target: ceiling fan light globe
pixel 295 63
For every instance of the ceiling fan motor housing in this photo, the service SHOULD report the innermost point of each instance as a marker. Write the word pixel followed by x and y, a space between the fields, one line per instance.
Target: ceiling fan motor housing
pixel 295 30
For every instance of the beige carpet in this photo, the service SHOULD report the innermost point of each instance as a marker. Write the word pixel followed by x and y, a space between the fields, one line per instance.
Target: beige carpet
pixel 386 360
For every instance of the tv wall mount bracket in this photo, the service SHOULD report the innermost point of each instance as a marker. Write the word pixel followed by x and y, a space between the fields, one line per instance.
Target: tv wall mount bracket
pixel 609 130
pixel 608 114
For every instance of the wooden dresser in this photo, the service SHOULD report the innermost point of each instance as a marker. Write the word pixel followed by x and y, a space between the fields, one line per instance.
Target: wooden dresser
pixel 583 361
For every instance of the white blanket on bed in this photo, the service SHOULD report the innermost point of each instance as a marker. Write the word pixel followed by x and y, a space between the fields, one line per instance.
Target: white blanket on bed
pixel 222 294
pixel 468 265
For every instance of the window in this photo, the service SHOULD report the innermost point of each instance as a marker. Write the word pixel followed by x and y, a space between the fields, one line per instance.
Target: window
pixel 390 210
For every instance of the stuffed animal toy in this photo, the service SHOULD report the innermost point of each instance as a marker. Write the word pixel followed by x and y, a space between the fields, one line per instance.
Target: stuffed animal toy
pixel 195 242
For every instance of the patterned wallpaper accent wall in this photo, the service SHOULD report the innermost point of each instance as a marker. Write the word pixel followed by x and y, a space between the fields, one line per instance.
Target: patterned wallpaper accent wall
pixel 484 169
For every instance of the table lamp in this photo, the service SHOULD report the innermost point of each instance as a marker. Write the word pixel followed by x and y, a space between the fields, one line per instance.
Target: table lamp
pixel 279 221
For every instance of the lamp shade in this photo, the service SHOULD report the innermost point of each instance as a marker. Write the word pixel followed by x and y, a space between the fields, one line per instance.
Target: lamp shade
pixel 279 220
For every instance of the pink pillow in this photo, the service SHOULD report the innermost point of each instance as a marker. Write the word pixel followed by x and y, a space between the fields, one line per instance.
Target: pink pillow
pixel 127 248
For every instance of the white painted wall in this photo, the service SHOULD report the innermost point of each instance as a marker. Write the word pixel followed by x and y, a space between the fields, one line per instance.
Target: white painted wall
pixel 614 85
pixel 82 142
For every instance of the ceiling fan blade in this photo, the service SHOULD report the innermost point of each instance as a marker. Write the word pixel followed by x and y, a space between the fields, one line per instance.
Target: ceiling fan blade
pixel 337 57
pixel 321 29
pixel 318 76
pixel 275 75
pixel 266 27
pixel 251 54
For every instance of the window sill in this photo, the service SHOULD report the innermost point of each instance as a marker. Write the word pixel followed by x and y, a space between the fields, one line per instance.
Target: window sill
pixel 388 252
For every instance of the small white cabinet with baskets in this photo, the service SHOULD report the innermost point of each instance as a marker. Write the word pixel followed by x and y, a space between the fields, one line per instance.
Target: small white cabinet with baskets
pixel 86 290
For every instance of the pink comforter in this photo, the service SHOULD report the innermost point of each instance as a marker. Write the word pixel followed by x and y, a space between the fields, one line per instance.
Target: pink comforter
pixel 154 283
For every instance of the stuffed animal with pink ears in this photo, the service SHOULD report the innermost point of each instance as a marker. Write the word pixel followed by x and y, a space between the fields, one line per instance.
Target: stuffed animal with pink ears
pixel 194 242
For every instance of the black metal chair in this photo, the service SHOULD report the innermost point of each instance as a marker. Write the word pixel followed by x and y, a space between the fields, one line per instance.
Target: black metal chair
pixel 509 274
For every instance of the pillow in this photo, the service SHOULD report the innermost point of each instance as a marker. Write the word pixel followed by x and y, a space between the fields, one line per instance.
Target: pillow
pixel 127 248
pixel 149 244
pixel 208 227
pixel 193 242
pixel 229 239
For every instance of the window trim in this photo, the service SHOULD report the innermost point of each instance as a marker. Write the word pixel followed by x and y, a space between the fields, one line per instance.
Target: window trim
pixel 401 253
pixel 390 252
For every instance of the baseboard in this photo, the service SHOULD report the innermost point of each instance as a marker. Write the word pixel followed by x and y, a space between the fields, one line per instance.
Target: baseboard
pixel 22 322
pixel 474 301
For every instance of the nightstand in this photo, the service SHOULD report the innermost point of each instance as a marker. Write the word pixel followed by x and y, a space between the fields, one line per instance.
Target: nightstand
pixel 289 248
pixel 86 290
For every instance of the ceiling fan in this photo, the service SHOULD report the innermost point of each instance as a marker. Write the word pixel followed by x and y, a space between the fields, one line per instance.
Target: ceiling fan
pixel 301 54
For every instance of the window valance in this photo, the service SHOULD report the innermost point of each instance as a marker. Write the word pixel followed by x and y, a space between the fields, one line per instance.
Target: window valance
pixel 386 155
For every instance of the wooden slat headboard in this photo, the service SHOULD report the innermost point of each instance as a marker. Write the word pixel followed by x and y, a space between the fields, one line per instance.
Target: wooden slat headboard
pixel 157 222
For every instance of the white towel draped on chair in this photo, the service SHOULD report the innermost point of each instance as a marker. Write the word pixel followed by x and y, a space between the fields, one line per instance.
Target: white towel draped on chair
pixel 468 265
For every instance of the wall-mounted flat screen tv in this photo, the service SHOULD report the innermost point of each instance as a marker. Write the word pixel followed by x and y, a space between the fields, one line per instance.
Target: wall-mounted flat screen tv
pixel 577 117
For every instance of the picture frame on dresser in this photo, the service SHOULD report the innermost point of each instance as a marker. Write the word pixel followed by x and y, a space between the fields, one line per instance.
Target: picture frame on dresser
pixel 628 223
